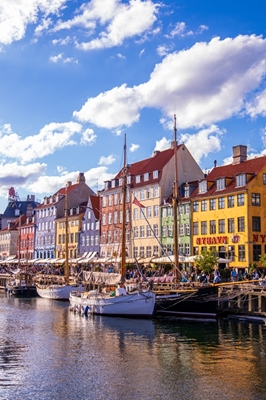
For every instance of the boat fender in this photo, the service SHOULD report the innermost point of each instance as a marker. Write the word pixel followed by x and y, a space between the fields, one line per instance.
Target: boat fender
pixel 86 311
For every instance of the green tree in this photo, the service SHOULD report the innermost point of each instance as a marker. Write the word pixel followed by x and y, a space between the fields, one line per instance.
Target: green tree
pixel 206 261
pixel 262 259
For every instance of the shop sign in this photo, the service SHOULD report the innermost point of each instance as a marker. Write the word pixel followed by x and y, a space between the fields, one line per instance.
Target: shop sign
pixel 212 240
pixel 257 237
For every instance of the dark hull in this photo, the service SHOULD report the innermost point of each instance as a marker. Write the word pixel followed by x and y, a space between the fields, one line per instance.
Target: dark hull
pixel 201 304
pixel 22 291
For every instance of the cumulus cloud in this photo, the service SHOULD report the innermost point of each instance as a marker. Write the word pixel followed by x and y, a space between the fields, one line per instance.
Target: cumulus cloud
pixel 207 83
pixel 163 49
pixel 162 144
pixel 119 21
pixel 107 160
pixel 257 106
pixel 50 138
pixel 15 16
pixel 59 57
pixel 88 137
pixel 209 139
pixel 134 147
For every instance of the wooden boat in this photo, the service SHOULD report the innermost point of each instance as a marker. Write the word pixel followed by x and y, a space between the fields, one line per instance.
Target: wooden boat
pixel 119 302
pixel 21 284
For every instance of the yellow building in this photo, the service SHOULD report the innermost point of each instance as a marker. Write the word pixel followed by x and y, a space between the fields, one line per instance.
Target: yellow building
pixel 228 210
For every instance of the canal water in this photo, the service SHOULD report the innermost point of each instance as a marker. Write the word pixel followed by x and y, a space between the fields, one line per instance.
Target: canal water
pixel 48 352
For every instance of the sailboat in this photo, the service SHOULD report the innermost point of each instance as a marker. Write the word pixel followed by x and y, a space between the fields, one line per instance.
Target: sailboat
pixel 57 287
pixel 119 302
pixel 191 302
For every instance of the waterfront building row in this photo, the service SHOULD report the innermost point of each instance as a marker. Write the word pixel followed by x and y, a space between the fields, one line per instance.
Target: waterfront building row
pixel 223 211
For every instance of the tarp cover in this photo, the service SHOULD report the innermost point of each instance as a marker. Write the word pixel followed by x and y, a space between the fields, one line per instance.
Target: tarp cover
pixel 102 277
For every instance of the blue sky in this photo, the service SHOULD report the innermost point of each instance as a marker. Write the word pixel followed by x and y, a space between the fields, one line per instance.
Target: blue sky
pixel 77 75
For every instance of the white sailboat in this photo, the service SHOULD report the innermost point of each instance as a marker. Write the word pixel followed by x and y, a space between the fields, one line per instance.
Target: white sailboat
pixel 56 287
pixel 139 303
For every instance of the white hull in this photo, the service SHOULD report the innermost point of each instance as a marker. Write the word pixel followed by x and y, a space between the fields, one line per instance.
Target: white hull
pixel 57 292
pixel 138 304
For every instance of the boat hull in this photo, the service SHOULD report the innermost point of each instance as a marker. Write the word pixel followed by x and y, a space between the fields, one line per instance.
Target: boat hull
pixel 57 292
pixel 201 303
pixel 22 291
pixel 139 304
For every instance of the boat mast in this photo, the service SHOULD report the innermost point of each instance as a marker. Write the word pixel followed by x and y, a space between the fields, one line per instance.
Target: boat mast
pixel 19 239
pixel 66 249
pixel 123 238
pixel 175 205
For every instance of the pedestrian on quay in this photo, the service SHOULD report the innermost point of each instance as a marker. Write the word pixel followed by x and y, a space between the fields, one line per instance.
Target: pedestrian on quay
pixel 217 276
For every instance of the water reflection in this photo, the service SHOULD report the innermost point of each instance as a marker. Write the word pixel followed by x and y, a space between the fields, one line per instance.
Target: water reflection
pixel 46 351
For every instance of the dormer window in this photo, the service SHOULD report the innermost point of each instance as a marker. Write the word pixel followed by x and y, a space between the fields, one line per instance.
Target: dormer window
pixel 241 180
pixel 186 191
pixel 220 184
pixel 203 187
pixel 113 183
pixel 155 174
pixel 129 178
pixel 138 179
pixel 146 177
pixel 120 181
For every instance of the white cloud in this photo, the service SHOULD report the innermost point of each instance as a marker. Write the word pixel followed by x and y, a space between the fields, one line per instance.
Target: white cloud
pixel 163 50
pixel 162 144
pixel 257 106
pixel 121 21
pixel 209 139
pixel 134 147
pixel 107 160
pixel 141 53
pixel 59 57
pixel 119 55
pixel 88 137
pixel 14 174
pixel 15 16
pixel 180 30
pixel 207 83
pixel 51 137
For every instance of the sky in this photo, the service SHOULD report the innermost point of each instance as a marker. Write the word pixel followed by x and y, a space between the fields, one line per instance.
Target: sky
pixel 76 76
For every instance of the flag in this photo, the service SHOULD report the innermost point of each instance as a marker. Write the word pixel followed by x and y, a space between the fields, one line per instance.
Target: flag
pixel 137 203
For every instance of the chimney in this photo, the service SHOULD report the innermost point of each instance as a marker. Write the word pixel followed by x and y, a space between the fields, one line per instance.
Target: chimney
pixel 81 178
pixel 239 154
pixel 173 144
pixel 156 152
pixel 69 183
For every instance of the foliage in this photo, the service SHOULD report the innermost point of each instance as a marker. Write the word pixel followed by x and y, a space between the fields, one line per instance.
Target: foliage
pixel 206 261
pixel 262 259
pixel 252 266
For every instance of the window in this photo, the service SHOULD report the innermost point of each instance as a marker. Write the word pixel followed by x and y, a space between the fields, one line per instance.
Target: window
pixel 115 217
pixel 141 252
pixel 148 231
pixel 256 252
pixel 148 212
pixel 204 205
pixel 221 203
pixel 148 193
pixel 110 200
pixel 155 191
pixel 186 191
pixel 135 252
pixel 155 211
pixel 109 218
pixel 187 209
pixel 156 230
pixel 195 228
pixel 136 214
pixel 212 204
pixel 146 176
pixel 170 230
pixel 138 179
pixel 155 250
pixel 241 180
pixel 136 232
pixel 104 201
pixel 142 231
pixel 155 174
pixel 104 219
pixel 231 225
pixel 115 199
pixel 221 224
pixel 213 227
pixel 255 199
pixel 220 184
pixel 240 199
pixel 230 201
pixel 164 211
pixel 241 224
pixel 187 249
pixel 241 253
pixel 256 227
pixel 203 187
pixel 204 227
pixel 148 251
pixel 181 229
pixel 142 194
pixel 180 210
pixel 169 211
pixel 164 231
pixel 187 229
pixel 196 206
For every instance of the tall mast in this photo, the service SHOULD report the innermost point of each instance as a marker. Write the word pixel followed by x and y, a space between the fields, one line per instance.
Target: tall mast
pixel 124 193
pixel 19 240
pixel 175 204
pixel 66 252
